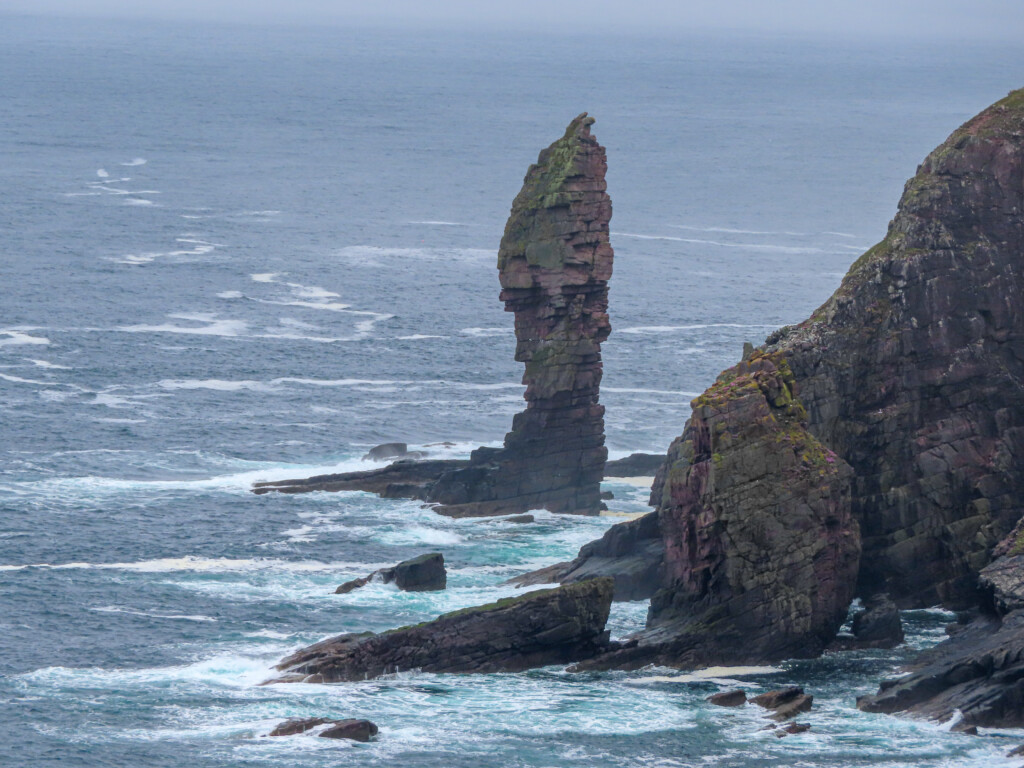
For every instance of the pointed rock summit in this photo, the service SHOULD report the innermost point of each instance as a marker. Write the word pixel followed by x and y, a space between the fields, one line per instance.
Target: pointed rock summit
pixel 554 264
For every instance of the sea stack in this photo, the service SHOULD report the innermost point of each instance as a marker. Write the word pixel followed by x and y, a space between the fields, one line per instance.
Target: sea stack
pixel 554 264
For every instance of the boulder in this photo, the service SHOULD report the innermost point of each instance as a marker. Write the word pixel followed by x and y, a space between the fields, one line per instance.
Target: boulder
pixel 735 698
pixel 879 624
pixel 386 451
pixel 356 730
pixel 785 702
pixel 551 626
pixel 425 573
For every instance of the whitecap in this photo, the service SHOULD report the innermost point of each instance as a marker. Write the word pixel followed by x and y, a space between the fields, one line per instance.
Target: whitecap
pixel 138 201
pixel 102 173
pixel 194 563
pixel 729 230
pixel 19 380
pixel 48 364
pixel 213 327
pixel 135 161
pixel 214 384
pixel 419 337
pixel 439 223
pixel 15 337
pixel 230 295
pixel 638 391
pixel 718 243
pixel 265 277
pixel 418 534
pixel 486 331
pixel 148 614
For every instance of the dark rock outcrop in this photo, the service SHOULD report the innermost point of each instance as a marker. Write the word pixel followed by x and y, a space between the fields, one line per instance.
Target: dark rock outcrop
pixel 879 624
pixel 355 730
pixel 425 573
pixel 979 670
pixel 386 451
pixel 552 626
pixel 913 370
pixel 631 553
pixel 554 263
pixel 735 698
pixel 902 414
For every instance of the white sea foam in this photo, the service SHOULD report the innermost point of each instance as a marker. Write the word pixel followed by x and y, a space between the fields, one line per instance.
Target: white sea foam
pixel 135 161
pixel 739 231
pixel 266 277
pixel 102 173
pixel 19 380
pixel 17 336
pixel 439 223
pixel 213 327
pixel 150 615
pixel 48 364
pixel 138 201
pixel 718 243
pixel 230 295
pixel 419 336
pixel 215 384
pixel 483 332
pixel 720 675
pixel 191 563
pixel 201 248
pixel 639 391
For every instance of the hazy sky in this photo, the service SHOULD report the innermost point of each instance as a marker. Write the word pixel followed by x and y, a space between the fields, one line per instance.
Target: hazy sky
pixel 974 19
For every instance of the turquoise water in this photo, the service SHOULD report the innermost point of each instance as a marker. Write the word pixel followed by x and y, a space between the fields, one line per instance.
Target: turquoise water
pixel 234 253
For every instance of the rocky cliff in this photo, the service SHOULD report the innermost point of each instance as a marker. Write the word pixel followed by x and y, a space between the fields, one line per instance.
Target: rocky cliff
pixel 895 413
pixel 554 263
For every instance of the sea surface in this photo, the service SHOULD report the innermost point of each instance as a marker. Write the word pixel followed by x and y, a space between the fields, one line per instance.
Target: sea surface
pixel 240 253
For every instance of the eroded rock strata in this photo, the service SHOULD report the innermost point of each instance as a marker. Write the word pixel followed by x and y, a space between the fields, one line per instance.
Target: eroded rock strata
pixel 554 263
pixel 897 409
pixel 551 626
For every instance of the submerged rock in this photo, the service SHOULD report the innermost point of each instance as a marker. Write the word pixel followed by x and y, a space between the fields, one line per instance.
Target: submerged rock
pixel 387 451
pixel 425 573
pixel 554 263
pixel 552 626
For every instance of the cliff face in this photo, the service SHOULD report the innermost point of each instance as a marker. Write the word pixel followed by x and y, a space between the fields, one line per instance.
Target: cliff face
pixel 913 371
pixel 761 548
pixel 896 410
pixel 554 264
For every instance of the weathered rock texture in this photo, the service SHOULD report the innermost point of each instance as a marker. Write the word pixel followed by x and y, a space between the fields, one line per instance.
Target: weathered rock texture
pixel 354 730
pixel 552 626
pixel 898 408
pixel 425 573
pixel 554 263
pixel 979 671
pixel 913 370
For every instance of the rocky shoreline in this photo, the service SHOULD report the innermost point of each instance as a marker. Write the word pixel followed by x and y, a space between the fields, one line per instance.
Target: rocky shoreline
pixel 873 451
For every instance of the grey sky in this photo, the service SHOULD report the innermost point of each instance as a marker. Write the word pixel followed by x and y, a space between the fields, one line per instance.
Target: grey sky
pixel 973 19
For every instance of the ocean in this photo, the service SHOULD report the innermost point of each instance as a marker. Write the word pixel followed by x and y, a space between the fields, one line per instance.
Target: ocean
pixel 232 253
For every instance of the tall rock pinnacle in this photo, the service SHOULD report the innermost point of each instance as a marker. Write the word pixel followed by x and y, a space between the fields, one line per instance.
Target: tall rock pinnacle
pixel 554 264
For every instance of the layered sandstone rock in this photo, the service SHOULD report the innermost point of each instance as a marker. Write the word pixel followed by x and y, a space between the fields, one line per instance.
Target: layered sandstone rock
pixel 912 376
pixel 913 371
pixel 551 626
pixel 554 264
